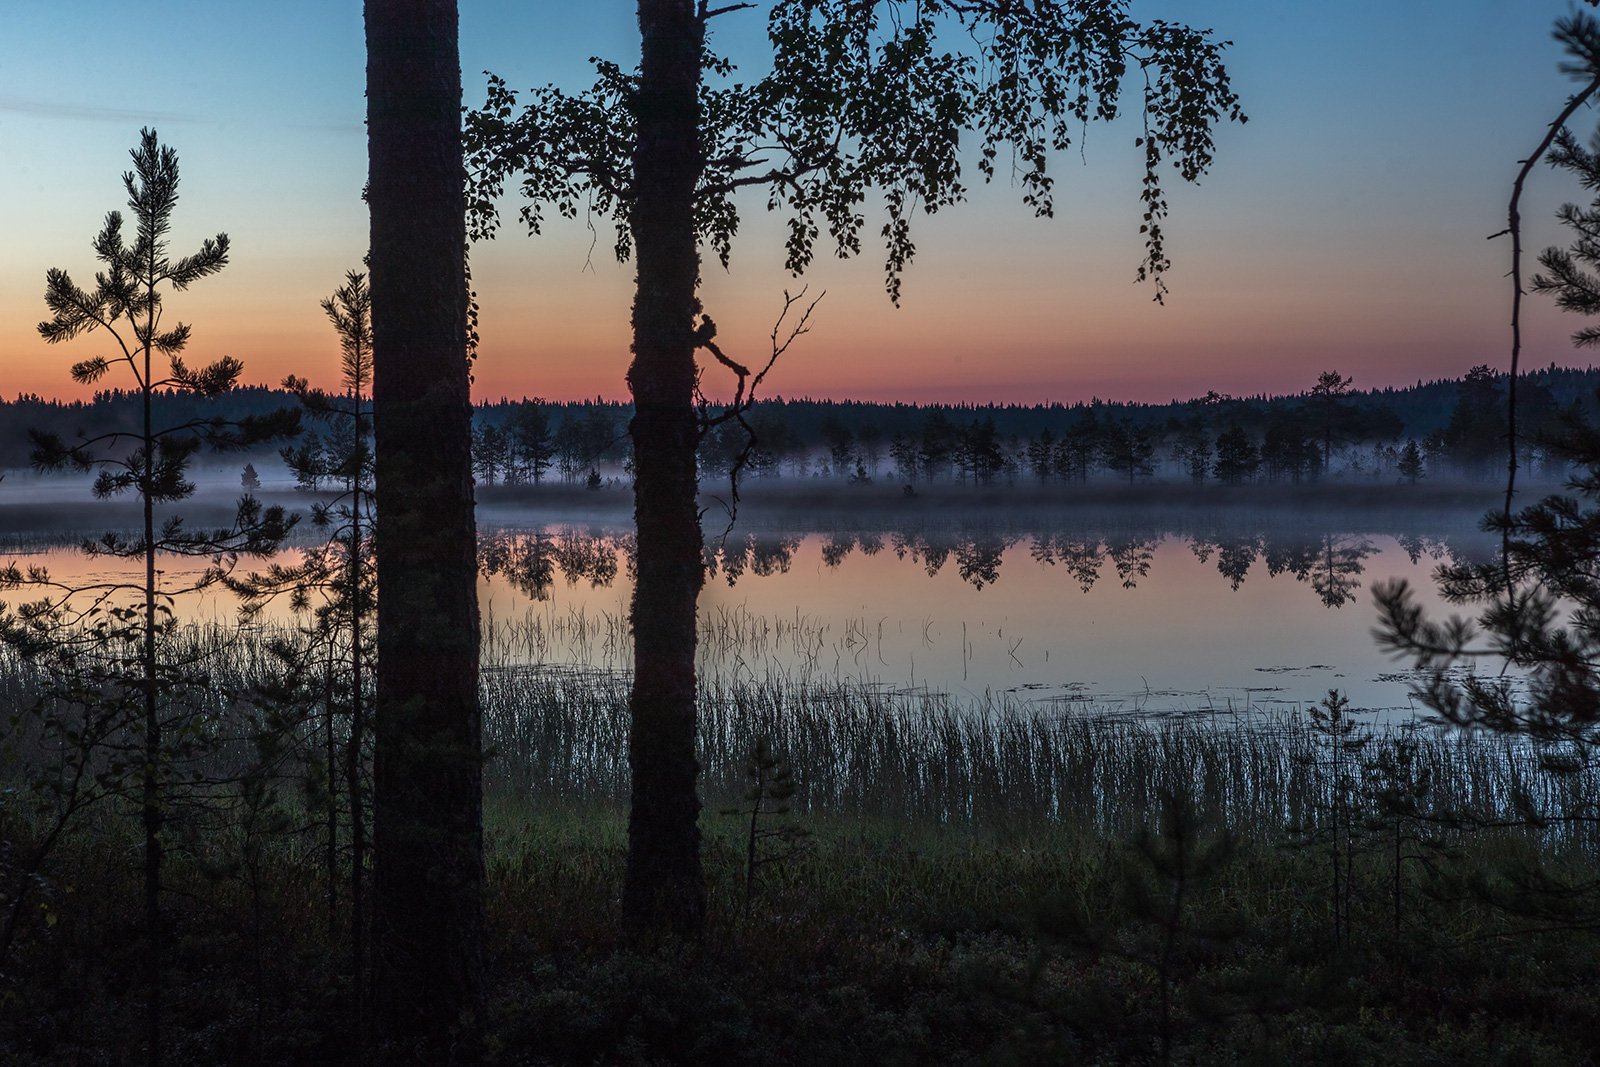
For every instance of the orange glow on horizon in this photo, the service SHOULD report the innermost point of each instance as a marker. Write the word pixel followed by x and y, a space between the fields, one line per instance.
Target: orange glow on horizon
pixel 1019 322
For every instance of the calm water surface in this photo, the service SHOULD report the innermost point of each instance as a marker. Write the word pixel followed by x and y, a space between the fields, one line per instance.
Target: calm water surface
pixel 1122 618
pixel 1133 612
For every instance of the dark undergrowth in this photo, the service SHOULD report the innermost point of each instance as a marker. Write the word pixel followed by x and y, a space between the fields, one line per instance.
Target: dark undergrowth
pixel 882 941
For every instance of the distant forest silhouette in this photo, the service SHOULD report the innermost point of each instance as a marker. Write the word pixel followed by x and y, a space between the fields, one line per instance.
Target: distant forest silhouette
pixel 1448 428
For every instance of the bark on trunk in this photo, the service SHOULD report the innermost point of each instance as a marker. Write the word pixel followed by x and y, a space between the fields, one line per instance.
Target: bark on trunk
pixel 356 739
pixel 663 889
pixel 152 804
pixel 427 804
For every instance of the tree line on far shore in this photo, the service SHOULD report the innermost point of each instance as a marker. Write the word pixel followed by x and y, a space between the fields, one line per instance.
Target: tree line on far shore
pixel 1443 429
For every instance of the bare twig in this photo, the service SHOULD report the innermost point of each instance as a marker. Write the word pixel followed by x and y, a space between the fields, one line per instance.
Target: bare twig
pixel 707 13
pixel 1514 228
pixel 744 396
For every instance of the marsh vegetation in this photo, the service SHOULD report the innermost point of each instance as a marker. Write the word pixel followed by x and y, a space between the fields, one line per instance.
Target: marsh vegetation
pixel 974 878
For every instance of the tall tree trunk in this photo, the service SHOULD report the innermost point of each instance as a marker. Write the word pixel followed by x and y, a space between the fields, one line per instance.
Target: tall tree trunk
pixel 663 890
pixel 330 813
pixel 355 740
pixel 427 800
pixel 151 803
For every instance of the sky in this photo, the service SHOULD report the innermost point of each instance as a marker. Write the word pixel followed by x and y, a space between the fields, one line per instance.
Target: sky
pixel 1342 228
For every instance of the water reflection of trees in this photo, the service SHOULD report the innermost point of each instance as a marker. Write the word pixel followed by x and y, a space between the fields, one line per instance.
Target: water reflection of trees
pixel 1129 553
pixel 1132 555
pixel 1235 553
pixel 929 550
pixel 530 561
pixel 1330 563
pixel 1079 556
pixel 758 554
pixel 977 554
pixel 978 560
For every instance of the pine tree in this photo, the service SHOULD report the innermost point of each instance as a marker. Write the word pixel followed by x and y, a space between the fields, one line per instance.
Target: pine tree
pixel 1127 450
pixel 1080 447
pixel 1237 457
pixel 1041 455
pixel 1332 412
pixel 1170 930
pixel 1342 738
pixel 1538 604
pixel 1194 450
pixel 529 432
pixel 772 789
pixel 131 639
pixel 336 584
pixel 427 892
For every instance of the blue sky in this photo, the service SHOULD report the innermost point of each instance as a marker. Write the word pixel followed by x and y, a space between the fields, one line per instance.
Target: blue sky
pixel 1342 227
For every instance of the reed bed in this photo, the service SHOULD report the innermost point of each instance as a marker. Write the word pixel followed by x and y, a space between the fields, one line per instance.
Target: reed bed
pixel 556 732
pixel 919 756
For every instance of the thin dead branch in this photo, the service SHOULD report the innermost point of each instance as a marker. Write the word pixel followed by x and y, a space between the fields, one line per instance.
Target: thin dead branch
pixel 744 396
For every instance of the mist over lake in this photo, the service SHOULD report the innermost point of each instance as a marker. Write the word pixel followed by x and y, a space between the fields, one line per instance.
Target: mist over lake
pixel 1156 601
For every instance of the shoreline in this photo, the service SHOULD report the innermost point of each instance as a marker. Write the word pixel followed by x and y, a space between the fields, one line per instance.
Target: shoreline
pixel 55 505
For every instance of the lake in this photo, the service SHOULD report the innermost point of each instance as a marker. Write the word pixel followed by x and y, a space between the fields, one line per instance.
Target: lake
pixel 1134 610
pixel 1151 604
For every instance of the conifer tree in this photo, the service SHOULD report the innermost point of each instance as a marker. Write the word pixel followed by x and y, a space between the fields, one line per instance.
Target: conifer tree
pixel 771 790
pixel 1165 880
pixel 1341 739
pixel 1127 450
pixel 1041 455
pixel 1410 464
pixel 336 583
pixel 1079 449
pixel 1237 457
pixel 1331 410
pixel 427 770
pixel 1194 450
pixel 132 621
pixel 529 432
pixel 1538 606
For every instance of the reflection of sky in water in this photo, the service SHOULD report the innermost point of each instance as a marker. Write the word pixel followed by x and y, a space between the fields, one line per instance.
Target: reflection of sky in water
pixel 1127 621
pixel 1138 623
pixel 1179 638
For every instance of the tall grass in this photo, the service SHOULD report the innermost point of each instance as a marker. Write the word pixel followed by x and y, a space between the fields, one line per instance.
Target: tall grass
pixel 858 749
pixel 929 757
